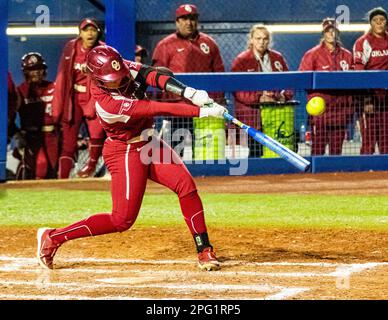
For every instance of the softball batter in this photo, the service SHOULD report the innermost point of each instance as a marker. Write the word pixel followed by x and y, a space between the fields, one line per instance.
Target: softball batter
pixel 133 154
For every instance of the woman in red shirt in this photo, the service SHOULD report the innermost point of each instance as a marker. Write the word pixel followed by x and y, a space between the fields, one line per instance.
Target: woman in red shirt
pixel 330 127
pixel 133 153
pixel 371 53
pixel 257 58
pixel 71 103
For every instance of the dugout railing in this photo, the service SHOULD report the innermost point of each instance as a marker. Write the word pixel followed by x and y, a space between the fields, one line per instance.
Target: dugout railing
pixel 215 147
pixel 349 91
pixel 222 149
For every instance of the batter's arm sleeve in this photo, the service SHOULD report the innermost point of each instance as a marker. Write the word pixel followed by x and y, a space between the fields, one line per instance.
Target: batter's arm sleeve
pixel 164 81
pixel 154 76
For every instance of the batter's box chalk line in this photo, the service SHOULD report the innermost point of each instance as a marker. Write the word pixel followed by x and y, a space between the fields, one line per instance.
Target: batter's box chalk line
pixel 29 265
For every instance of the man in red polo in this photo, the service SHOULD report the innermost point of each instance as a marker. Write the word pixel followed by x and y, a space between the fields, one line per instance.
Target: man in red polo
pixel 188 50
pixel 71 101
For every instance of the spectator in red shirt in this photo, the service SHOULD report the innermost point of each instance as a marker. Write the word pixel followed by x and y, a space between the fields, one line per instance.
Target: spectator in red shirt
pixel 71 101
pixel 188 50
pixel 39 153
pixel 329 55
pixel 371 53
pixel 257 58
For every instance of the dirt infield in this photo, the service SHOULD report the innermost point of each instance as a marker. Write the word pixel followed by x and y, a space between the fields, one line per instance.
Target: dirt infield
pixel 257 263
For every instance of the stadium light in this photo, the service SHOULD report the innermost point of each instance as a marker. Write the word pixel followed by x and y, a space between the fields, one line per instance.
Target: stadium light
pixel 274 28
pixel 315 28
pixel 42 31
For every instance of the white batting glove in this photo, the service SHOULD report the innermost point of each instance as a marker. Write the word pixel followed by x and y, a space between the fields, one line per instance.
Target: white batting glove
pixel 215 110
pixel 197 97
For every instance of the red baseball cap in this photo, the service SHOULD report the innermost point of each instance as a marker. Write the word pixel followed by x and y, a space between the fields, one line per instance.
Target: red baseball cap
pixel 86 22
pixel 185 10
pixel 329 23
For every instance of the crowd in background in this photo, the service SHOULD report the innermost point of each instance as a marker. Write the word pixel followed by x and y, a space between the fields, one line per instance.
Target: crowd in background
pixel 51 114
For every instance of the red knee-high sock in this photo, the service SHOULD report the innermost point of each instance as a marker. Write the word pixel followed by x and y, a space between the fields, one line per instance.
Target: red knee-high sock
pixel 65 165
pixel 192 209
pixel 97 224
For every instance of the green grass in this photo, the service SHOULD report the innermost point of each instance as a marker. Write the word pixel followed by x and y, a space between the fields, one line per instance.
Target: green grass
pixel 20 207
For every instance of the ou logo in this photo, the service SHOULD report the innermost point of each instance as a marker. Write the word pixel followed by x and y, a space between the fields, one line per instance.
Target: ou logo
pixel 116 65
pixel 344 65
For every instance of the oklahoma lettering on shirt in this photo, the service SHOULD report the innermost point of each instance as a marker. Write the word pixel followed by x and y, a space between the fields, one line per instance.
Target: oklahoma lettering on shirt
pixel 371 53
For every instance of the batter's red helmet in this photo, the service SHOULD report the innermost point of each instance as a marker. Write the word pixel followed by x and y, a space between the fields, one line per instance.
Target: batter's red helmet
pixel 33 61
pixel 104 63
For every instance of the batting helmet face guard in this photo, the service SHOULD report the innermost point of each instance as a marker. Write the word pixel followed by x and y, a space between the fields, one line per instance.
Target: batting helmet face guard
pixel 105 64
pixel 33 61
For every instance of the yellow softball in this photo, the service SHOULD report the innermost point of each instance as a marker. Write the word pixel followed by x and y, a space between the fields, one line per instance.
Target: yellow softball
pixel 316 106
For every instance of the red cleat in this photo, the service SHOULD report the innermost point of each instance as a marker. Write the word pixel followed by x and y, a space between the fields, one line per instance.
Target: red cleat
pixel 46 248
pixel 207 260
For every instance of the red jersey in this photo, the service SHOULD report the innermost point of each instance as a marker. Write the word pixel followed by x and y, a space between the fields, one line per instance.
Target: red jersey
pixel 181 55
pixel 247 62
pixel 320 58
pixel 36 105
pixel 124 117
pixel 371 53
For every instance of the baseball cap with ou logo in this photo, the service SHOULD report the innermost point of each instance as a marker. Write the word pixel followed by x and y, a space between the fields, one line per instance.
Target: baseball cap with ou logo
pixel 86 22
pixel 328 23
pixel 185 10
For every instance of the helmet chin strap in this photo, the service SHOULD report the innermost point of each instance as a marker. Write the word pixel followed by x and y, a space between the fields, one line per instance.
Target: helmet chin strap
pixel 123 87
